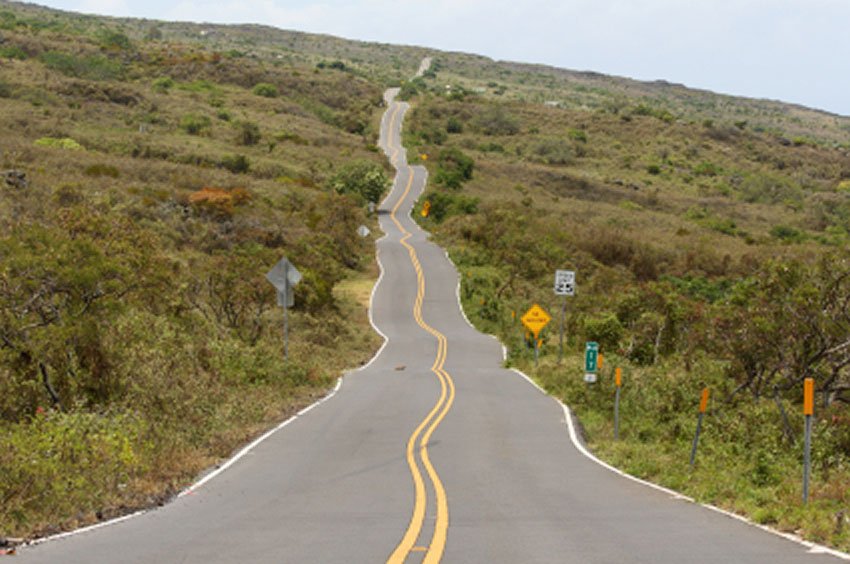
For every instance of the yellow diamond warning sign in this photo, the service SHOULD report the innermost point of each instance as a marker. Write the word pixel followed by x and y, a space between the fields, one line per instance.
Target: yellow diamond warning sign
pixel 535 319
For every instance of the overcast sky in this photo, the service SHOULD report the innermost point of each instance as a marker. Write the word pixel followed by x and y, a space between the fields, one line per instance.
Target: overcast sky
pixel 791 50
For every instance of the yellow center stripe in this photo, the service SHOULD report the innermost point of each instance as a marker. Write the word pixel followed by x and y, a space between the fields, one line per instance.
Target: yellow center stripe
pixel 432 420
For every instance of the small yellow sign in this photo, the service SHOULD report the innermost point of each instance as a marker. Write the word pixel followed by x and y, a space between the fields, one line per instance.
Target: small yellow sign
pixel 535 319
pixel 423 156
pixel 426 208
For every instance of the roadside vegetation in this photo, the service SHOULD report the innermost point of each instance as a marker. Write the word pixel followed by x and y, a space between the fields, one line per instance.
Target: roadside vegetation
pixel 147 187
pixel 152 172
pixel 707 252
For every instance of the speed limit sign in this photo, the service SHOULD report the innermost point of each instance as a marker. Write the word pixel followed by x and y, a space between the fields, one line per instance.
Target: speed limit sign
pixel 565 283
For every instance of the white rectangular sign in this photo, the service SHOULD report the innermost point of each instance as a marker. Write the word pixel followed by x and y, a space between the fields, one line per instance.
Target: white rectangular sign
pixel 565 283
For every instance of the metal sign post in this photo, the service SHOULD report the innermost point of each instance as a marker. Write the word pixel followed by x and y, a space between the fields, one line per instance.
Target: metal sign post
pixel 284 277
pixel 618 381
pixel 565 285
pixel 703 405
pixel 808 411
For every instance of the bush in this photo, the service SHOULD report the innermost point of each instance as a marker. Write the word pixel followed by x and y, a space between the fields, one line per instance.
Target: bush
pixel 114 40
pixel 605 330
pixel 707 169
pixel 266 90
pixel 445 205
pixel 453 168
pixel 163 84
pixel 98 170
pixel 787 234
pixel 454 125
pixel 91 68
pixel 495 120
pixel 64 143
pixel 194 124
pixel 552 151
pixel 13 52
pixel 364 179
pixel 578 135
pixel 249 133
pixel 237 164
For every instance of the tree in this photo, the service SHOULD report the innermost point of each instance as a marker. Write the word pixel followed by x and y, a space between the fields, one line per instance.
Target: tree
pixel 364 179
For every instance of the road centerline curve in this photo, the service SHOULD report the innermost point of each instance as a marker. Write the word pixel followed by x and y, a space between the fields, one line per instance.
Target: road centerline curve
pixel 422 434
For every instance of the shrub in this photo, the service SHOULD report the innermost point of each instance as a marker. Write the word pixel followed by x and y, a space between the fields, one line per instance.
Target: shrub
pixel 91 68
pixel 606 330
pixel 100 169
pixel 445 205
pixel 552 151
pixel 237 164
pixel 63 143
pixel 364 179
pixel 454 125
pixel 409 90
pixel 495 120
pixel 266 90
pixel 769 189
pixel 219 202
pixel 249 133
pixel 787 234
pixel 194 124
pixel 578 135
pixel 706 168
pixel 13 52
pixel 453 168
pixel 653 169
pixel 163 84
pixel 110 39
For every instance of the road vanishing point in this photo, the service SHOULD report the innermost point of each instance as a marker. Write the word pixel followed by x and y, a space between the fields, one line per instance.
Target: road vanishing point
pixel 432 452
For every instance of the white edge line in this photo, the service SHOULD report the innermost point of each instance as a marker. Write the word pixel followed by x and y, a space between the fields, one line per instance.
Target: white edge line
pixel 248 448
pixel 814 548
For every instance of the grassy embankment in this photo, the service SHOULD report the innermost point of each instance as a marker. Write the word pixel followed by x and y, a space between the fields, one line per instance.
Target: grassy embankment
pixel 140 340
pixel 709 252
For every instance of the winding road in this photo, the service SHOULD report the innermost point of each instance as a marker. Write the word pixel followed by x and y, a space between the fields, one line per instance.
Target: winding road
pixel 432 452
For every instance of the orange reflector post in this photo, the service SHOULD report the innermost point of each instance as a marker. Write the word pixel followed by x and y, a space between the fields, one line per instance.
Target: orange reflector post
pixel 599 361
pixel 703 402
pixel 809 396
pixel 618 376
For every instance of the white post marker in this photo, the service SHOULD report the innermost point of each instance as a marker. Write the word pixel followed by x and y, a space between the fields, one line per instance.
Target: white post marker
pixel 565 285
pixel 284 277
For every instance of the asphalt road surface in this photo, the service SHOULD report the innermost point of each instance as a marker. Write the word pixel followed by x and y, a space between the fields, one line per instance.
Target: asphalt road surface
pixel 432 452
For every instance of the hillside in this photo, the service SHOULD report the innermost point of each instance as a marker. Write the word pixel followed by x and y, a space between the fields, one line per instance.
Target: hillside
pixel 148 188
pixel 154 171
pixel 708 253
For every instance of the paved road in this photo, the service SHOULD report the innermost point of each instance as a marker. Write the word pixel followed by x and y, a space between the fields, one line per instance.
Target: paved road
pixel 432 452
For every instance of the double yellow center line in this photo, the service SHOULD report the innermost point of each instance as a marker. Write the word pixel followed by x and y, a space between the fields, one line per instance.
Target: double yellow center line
pixel 422 434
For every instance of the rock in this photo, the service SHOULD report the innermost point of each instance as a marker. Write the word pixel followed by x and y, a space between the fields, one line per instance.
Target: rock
pixel 15 178
pixel 400 367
